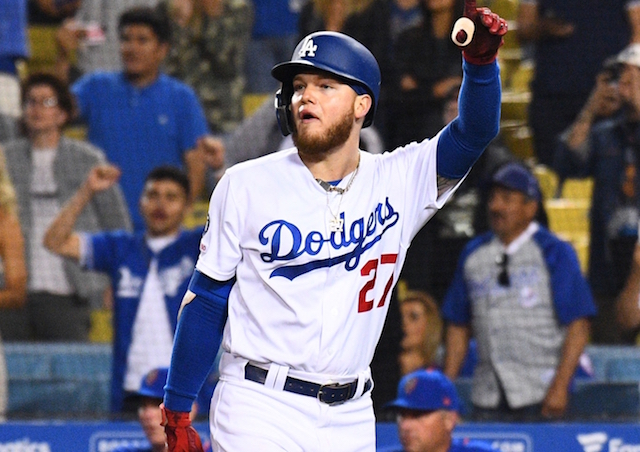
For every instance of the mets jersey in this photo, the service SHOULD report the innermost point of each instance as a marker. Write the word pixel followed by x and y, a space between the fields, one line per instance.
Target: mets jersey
pixel 306 296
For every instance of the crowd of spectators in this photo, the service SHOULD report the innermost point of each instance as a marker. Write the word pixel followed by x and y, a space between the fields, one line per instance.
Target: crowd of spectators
pixel 158 88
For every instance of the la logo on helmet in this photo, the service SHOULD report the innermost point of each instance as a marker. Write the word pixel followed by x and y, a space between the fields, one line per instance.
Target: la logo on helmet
pixel 308 49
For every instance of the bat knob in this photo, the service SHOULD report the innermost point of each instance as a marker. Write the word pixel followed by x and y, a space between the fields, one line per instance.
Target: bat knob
pixel 462 32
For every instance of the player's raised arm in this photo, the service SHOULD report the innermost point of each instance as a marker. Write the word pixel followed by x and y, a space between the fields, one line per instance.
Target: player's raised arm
pixel 479 34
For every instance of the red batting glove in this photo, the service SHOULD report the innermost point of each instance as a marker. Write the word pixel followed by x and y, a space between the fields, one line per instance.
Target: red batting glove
pixel 181 436
pixel 487 38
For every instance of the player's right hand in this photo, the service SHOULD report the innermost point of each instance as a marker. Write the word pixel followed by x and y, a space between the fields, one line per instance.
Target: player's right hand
pixel 181 436
pixel 487 36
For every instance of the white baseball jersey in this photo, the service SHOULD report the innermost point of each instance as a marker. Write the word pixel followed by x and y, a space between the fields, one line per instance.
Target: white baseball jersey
pixel 306 297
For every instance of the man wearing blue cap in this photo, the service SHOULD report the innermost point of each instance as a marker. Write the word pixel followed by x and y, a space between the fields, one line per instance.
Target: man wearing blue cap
pixel 150 396
pixel 427 406
pixel 522 290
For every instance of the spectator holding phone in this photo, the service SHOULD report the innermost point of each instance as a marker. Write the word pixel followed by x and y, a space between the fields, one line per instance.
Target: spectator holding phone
pixel 608 151
pixel 92 36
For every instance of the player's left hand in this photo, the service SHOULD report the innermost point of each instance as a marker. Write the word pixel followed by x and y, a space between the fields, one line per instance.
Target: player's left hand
pixel 181 436
pixel 487 33
pixel 555 402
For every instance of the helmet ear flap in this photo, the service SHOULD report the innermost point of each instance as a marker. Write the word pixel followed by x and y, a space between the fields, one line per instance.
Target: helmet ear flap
pixel 283 113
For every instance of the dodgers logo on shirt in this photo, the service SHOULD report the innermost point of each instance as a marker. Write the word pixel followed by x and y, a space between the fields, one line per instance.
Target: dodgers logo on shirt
pixel 363 234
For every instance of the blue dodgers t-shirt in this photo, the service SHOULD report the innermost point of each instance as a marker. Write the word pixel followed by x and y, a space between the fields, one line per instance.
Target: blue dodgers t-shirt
pixel 126 257
pixel 139 128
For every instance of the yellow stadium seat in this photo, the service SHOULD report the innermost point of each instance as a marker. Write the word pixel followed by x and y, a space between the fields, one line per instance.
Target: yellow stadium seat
pixel 401 289
pixel 42 39
pixel 507 9
pixel 508 68
pixel 198 215
pixel 569 216
pixel 252 101
pixel 569 219
pixel 515 105
pixel 547 179
pixel 518 138
pixel 79 132
pixel 578 189
pixel 520 80
pixel 101 327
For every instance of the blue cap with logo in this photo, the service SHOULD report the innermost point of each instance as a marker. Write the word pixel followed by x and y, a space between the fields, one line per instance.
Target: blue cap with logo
pixel 426 390
pixel 515 176
pixel 153 383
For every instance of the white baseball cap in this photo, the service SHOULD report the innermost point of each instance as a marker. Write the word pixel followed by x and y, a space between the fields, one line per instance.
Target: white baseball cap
pixel 630 55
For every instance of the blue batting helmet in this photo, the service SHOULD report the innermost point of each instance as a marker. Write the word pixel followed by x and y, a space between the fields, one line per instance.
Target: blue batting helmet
pixel 337 54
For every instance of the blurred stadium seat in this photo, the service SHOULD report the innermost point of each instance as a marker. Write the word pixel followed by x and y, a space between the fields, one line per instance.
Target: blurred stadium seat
pixel 198 215
pixel 569 218
pixel 521 78
pixel 101 330
pixel 518 138
pixel 71 380
pixel 76 131
pixel 547 179
pixel 251 102
pixel 515 105
pixel 507 9
pixel 605 400
pixel 577 189
pixel 42 41
pixel 623 370
pixel 58 379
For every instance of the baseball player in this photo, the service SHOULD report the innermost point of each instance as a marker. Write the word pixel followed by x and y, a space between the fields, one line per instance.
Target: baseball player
pixel 303 247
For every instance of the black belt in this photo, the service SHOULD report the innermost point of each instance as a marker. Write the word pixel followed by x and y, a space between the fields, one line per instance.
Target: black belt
pixel 331 394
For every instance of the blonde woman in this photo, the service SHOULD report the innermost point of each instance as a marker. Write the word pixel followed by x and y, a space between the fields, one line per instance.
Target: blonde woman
pixel 14 289
pixel 422 329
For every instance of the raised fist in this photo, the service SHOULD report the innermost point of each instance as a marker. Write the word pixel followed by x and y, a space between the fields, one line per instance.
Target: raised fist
pixel 479 33
pixel 102 177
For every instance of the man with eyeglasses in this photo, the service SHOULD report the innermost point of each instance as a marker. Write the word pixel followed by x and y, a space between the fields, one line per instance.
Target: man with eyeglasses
pixel 520 289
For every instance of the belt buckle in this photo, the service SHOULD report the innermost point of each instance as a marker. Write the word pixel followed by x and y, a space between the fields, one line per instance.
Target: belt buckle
pixel 333 386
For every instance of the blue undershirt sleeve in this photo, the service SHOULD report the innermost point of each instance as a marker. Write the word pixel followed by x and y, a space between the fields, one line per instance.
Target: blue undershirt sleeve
pixel 464 139
pixel 197 340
